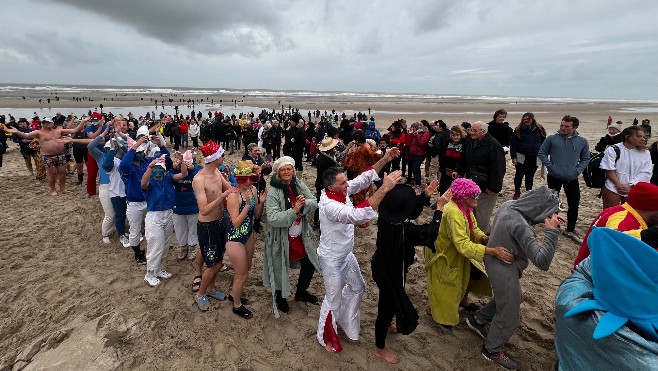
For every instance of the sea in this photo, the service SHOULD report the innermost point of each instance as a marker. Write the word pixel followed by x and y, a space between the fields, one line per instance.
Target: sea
pixel 228 107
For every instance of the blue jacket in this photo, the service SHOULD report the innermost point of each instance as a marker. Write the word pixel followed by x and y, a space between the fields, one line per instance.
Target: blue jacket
pixel 132 174
pixel 569 156
pixel 160 195
pixel 185 203
pixel 532 137
pixel 99 156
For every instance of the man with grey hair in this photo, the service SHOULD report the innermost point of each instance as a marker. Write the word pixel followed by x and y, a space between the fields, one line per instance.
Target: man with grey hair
pixel 484 163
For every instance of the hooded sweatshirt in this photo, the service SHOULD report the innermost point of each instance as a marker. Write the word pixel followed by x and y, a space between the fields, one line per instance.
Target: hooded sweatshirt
pixel 569 156
pixel 512 227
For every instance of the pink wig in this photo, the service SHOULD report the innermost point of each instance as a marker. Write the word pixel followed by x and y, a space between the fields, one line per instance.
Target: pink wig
pixel 463 188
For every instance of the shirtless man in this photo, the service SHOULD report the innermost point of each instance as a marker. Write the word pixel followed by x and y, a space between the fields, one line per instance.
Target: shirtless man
pixel 52 143
pixel 211 189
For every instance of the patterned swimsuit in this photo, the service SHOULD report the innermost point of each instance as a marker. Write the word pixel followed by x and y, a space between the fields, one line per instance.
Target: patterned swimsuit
pixel 242 233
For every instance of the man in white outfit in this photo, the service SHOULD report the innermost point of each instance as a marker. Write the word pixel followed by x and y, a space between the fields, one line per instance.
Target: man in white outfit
pixel 343 282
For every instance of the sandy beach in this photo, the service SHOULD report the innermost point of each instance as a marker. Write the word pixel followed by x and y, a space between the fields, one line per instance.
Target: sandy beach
pixel 71 302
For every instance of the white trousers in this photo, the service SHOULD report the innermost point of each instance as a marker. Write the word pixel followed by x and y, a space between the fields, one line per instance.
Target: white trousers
pixel 185 229
pixel 344 287
pixel 107 226
pixel 159 227
pixel 135 212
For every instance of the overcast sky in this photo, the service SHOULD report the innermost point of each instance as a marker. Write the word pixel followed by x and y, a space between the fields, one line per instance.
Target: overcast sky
pixel 557 48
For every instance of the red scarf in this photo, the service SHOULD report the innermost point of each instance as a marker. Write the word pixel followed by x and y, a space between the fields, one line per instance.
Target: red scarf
pixel 340 197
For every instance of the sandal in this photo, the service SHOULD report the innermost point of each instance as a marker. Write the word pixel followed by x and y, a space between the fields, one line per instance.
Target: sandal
pixel 225 268
pixel 196 283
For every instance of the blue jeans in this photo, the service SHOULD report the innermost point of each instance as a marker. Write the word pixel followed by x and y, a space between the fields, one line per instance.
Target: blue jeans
pixel 417 161
pixel 119 205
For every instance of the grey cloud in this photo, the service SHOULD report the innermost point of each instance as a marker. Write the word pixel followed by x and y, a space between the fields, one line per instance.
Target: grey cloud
pixel 206 26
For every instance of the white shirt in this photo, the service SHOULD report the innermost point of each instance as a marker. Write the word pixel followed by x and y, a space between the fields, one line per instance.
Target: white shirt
pixel 194 130
pixel 337 219
pixel 633 166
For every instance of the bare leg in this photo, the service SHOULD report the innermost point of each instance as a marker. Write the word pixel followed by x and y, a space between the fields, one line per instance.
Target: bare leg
pixel 208 279
pixel 61 175
pixel 386 355
pixel 52 179
pixel 28 164
pixel 237 252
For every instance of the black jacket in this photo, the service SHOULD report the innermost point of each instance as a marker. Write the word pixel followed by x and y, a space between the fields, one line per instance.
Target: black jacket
pixel 295 141
pixel 484 163
pixel 500 132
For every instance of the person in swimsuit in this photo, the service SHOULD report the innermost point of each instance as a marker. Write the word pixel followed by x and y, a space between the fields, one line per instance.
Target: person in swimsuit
pixel 242 207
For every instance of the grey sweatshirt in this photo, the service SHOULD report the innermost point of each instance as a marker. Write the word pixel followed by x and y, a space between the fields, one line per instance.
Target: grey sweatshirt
pixel 512 227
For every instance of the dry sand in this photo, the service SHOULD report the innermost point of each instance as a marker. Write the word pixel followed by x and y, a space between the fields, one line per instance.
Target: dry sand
pixel 70 302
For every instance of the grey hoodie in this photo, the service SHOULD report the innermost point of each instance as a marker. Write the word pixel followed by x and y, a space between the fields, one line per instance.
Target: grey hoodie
pixel 512 227
pixel 569 156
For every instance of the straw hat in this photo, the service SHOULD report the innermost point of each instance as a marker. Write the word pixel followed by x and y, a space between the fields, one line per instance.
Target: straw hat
pixel 328 143
pixel 244 168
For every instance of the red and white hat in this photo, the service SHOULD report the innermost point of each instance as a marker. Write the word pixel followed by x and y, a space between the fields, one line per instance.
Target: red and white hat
pixel 211 151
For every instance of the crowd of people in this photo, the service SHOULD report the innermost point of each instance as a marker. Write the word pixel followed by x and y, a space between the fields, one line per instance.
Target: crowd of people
pixel 214 208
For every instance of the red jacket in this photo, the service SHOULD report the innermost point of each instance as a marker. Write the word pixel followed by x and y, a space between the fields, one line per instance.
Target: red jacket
pixel 183 127
pixel 419 141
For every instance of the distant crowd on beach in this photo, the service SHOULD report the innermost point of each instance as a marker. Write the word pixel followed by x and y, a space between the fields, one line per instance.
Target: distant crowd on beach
pixel 165 176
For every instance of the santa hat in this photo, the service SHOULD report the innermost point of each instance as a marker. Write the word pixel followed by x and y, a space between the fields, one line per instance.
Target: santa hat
pixel 643 196
pixel 211 151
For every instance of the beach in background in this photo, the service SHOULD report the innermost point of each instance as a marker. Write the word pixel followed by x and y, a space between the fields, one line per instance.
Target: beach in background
pixel 71 302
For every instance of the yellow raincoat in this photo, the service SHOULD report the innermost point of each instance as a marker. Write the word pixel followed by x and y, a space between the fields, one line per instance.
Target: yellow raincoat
pixel 448 270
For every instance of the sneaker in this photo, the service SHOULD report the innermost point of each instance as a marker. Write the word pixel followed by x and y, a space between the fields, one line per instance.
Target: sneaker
pixel 244 301
pixel 191 253
pixel 216 294
pixel 163 274
pixel 202 302
pixel 106 240
pixel 140 259
pixel 516 195
pixel 575 237
pixel 473 324
pixel 183 253
pixel 151 279
pixel 123 240
pixel 243 312
pixel 500 358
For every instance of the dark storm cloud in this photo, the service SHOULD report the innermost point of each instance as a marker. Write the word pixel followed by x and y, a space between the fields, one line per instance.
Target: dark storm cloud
pixel 206 26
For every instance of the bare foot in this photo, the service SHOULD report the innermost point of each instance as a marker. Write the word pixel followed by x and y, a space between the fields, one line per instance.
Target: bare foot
pixel 53 193
pixel 386 355
pixel 393 328
pixel 329 348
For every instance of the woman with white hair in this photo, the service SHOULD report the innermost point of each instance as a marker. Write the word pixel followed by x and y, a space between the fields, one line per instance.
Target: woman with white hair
pixel 289 241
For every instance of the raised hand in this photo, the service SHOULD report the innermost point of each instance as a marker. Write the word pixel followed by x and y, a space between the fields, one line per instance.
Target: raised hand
pixel 390 180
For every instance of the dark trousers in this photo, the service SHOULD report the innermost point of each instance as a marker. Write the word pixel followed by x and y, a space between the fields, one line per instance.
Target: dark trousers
pixel 119 205
pixel 195 142
pixel 395 164
pixel 276 149
pixel 305 274
pixel 177 140
pixel 444 183
pixel 572 191
pixel 417 161
pixel 525 170
pixel 385 313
